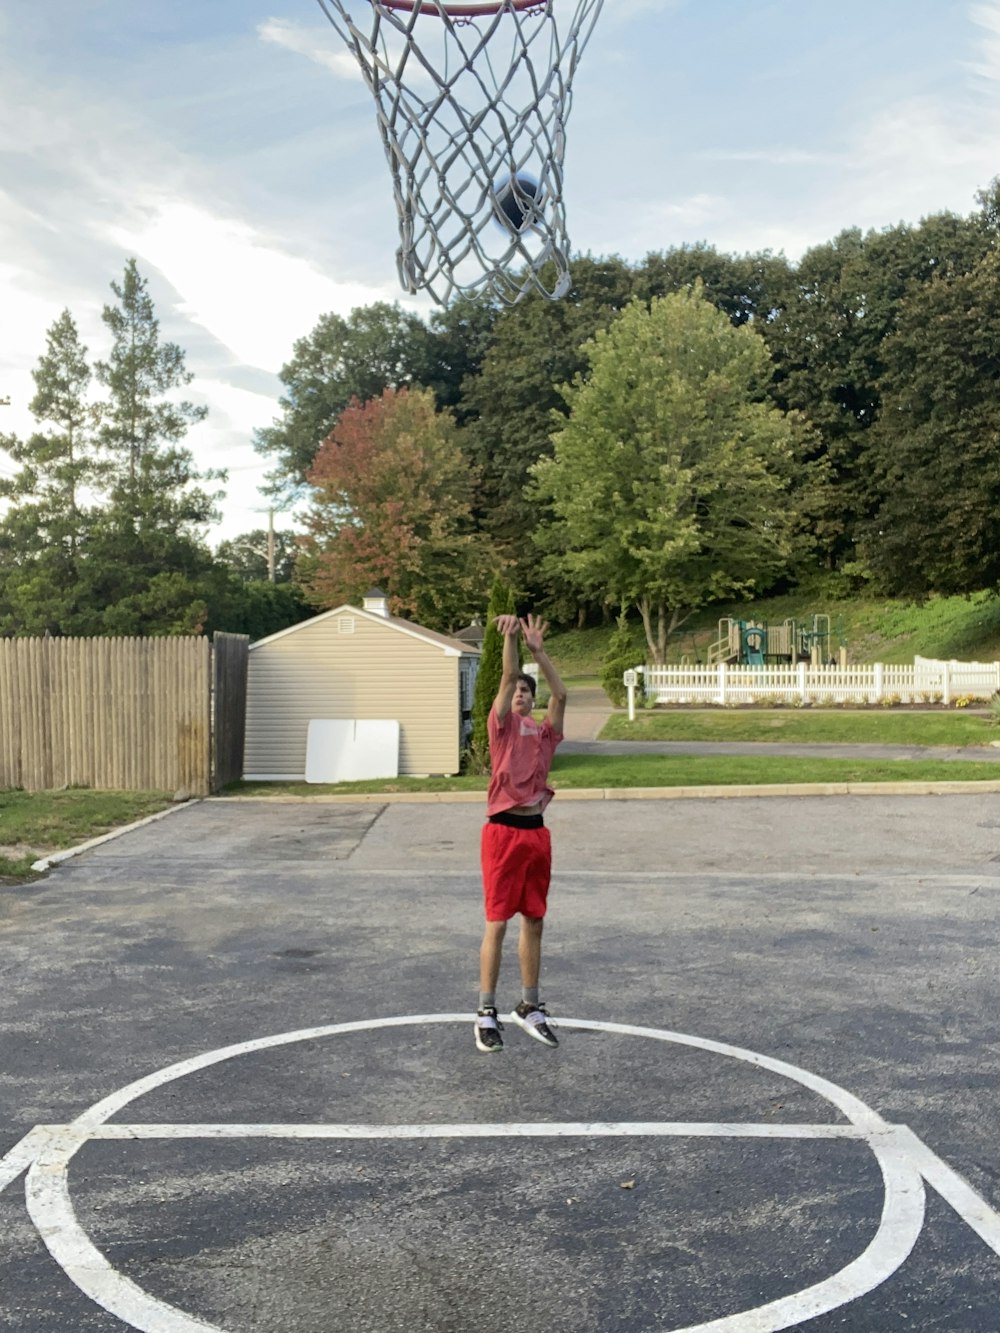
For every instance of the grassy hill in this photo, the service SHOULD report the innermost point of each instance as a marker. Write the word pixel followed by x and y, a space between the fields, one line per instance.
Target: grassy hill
pixel 965 628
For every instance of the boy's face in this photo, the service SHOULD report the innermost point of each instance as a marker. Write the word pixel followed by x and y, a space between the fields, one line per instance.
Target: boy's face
pixel 524 700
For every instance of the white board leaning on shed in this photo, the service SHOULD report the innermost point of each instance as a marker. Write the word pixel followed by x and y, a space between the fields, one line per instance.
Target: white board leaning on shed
pixel 351 749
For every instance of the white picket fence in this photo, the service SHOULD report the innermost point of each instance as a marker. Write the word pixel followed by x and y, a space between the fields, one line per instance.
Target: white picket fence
pixel 926 681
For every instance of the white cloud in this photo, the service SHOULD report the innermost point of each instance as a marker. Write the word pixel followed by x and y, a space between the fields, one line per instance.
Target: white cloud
pixel 236 283
pixel 314 44
pixel 774 157
pixel 987 66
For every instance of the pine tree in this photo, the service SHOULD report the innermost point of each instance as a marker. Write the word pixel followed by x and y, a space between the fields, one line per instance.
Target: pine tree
pixel 138 421
pixel 490 670
pixel 147 558
pixel 43 531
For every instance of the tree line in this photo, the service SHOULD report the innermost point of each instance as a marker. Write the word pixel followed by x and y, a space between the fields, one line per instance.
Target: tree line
pixel 106 517
pixel 692 427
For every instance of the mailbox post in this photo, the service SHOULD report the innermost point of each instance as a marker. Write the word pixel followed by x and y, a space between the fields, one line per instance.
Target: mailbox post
pixel 630 678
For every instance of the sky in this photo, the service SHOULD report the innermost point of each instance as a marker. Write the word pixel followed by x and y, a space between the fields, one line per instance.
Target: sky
pixel 231 148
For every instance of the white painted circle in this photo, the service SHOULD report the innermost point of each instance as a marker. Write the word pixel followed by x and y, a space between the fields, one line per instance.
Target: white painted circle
pixel 51 1210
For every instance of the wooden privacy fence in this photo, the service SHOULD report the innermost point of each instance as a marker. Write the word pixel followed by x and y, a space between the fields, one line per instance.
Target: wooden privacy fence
pixel 925 681
pixel 130 714
pixel 230 653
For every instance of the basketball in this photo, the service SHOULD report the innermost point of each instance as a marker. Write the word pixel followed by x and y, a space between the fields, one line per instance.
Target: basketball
pixel 517 199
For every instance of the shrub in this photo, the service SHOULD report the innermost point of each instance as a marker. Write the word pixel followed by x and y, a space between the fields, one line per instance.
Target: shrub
pixel 488 677
pixel 622 655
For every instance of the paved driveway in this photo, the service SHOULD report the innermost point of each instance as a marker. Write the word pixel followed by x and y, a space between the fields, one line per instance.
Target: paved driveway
pixel 780 1020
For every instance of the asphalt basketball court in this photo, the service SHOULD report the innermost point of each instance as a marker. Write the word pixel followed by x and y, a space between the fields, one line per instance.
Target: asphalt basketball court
pixel 241 1090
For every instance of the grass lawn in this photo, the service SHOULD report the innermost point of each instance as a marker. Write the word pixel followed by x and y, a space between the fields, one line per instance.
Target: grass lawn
pixel 34 823
pixel 804 726
pixel 874 630
pixel 652 770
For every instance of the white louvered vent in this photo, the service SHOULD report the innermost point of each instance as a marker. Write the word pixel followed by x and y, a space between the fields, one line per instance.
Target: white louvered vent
pixel 345 624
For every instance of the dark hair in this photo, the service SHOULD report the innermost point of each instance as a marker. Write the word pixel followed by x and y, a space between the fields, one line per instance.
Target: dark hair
pixel 529 680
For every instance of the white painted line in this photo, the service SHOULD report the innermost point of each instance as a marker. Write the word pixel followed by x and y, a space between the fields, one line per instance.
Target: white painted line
pixel 52 1212
pixel 971 1207
pixel 899 1156
pixel 850 1106
pixel 50 1209
pixel 17 1159
pixel 48 861
pixel 567 878
pixel 596 1129
pixel 900 1225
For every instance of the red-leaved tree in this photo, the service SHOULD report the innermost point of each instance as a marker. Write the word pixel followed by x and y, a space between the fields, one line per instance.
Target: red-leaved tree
pixel 391 507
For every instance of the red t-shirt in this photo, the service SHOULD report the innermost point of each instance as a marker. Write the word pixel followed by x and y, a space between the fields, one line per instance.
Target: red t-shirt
pixel 521 751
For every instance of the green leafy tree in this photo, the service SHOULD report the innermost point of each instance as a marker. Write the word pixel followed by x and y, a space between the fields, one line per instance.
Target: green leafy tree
pixel 750 287
pixel 540 345
pixel 828 344
pixel 935 452
pixel 391 507
pixel 501 603
pixel 533 348
pixel 377 347
pixel 459 338
pixel 247 555
pixel 254 607
pixel 671 479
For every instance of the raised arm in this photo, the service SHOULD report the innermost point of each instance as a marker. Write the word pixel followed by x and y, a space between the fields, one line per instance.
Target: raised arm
pixel 510 628
pixel 533 629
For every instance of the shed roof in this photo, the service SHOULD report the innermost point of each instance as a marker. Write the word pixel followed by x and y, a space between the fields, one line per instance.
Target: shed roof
pixel 452 647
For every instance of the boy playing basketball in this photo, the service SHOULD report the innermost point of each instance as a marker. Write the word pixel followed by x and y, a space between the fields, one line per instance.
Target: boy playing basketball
pixel 516 849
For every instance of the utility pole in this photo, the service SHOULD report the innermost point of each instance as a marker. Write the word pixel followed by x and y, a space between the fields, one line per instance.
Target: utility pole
pixel 270 544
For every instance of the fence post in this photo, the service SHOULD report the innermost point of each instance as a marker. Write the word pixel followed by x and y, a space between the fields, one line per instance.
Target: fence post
pixel 878 682
pixel 802 681
pixel 945 683
pixel 722 669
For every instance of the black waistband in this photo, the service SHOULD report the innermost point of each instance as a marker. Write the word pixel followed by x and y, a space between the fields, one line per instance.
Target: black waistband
pixel 512 820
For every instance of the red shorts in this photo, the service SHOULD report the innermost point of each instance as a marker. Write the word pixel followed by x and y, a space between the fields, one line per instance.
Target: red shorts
pixel 517 866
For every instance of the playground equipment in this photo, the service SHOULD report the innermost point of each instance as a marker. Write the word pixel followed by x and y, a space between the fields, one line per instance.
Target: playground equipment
pixel 756 643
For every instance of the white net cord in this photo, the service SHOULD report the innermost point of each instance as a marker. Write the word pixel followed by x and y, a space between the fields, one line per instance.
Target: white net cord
pixel 472 110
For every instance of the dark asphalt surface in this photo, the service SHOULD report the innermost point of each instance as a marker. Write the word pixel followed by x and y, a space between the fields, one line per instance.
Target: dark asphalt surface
pixel 854 939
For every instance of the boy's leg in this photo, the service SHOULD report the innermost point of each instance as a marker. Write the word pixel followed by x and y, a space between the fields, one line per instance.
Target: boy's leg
pixel 490 953
pixel 487 1026
pixel 529 950
pixel 529 1014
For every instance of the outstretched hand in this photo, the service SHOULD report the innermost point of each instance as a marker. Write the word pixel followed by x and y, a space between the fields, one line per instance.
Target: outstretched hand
pixel 507 625
pixel 533 629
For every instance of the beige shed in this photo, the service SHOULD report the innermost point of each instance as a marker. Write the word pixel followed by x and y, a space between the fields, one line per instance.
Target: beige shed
pixel 360 663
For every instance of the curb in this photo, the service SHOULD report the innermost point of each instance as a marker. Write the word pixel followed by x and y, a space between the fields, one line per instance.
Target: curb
pixel 967 788
pixel 47 862
pixel 568 793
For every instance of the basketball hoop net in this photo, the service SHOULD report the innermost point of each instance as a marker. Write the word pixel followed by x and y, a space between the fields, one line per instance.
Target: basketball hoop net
pixel 472 99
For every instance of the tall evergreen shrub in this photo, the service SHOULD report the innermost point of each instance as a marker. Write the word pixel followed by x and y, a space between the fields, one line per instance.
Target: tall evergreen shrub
pixel 490 670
